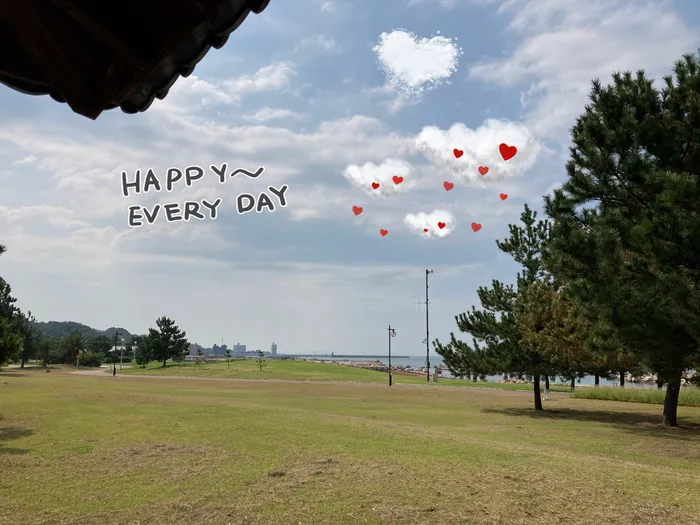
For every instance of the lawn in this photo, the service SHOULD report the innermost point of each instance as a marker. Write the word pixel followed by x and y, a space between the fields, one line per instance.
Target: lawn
pixel 301 370
pixel 79 450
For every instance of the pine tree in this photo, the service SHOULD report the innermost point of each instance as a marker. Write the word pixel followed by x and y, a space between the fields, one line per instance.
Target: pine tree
pixel 626 221
pixel 497 345
pixel 167 341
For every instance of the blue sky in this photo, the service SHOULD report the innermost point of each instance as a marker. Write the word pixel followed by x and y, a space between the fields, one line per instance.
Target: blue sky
pixel 300 90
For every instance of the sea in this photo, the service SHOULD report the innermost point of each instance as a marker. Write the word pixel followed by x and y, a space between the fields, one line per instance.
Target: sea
pixel 416 362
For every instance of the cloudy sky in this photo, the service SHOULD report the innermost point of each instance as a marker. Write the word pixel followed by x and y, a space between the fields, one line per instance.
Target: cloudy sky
pixel 329 96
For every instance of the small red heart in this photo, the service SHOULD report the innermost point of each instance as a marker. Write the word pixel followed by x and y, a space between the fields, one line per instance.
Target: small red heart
pixel 448 186
pixel 504 196
pixel 425 230
pixel 458 153
pixel 507 152
pixel 375 185
pixel 476 226
pixel 383 232
pixel 483 170
pixel 356 210
pixel 441 225
pixel 397 179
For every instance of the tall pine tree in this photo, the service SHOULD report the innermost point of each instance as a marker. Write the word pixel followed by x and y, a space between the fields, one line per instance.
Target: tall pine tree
pixel 627 223
pixel 497 345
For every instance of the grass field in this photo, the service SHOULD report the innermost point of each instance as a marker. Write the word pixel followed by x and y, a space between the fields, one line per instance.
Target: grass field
pixel 304 371
pixel 82 450
pixel 690 395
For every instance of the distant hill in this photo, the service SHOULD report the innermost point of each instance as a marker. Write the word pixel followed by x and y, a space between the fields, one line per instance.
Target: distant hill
pixel 59 329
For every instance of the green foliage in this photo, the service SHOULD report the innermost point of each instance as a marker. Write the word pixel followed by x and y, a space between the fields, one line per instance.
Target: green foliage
pixel 91 359
pixel 70 346
pixel 143 352
pixel 167 341
pixel 689 396
pixel 200 356
pixel 626 222
pixel 228 357
pixel 100 344
pixel 261 360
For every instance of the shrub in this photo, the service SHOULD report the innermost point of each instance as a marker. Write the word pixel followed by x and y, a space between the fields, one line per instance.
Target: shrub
pixel 91 359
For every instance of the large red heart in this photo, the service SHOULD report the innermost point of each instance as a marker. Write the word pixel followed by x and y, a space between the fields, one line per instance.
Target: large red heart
pixel 483 170
pixel 507 152
pixel 504 196
pixel 356 210
pixel 476 226
pixel 425 230
pixel 458 153
pixel 375 185
pixel 383 232
pixel 397 179
pixel 441 225
pixel 448 185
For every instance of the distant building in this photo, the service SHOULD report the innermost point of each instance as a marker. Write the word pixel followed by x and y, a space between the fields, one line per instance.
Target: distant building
pixel 193 348
pixel 219 350
pixel 273 349
pixel 239 349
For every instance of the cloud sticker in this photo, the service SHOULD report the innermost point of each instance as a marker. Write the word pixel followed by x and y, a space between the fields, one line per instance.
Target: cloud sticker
pixel 476 156
pixel 439 223
pixel 391 177
pixel 414 65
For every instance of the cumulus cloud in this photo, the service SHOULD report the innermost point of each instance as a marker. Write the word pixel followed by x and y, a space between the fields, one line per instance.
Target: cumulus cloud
pixel 414 64
pixel 480 149
pixel 438 223
pixel 391 177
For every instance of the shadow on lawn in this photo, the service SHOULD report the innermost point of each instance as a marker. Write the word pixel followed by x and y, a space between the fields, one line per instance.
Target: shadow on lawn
pixel 646 424
pixel 7 434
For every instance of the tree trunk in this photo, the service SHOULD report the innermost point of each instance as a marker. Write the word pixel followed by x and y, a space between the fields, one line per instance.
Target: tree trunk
pixel 597 379
pixel 165 361
pixel 505 377
pixel 659 383
pixel 546 382
pixel 475 377
pixel 622 379
pixel 538 396
pixel 573 384
pixel 670 417
pixel 24 360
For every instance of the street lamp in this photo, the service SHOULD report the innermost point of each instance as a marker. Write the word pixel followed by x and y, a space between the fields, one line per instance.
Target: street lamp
pixel 392 333
pixel 427 331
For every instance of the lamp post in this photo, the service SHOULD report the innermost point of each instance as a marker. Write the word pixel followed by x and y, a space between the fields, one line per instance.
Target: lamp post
pixel 116 337
pixel 427 330
pixel 392 333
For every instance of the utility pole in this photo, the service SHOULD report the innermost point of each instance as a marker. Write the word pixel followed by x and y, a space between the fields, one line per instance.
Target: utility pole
pixel 392 333
pixel 427 329
pixel 116 337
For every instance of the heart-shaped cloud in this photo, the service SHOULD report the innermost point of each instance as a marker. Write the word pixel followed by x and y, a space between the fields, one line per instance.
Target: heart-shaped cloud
pixel 413 65
pixel 379 180
pixel 420 222
pixel 481 149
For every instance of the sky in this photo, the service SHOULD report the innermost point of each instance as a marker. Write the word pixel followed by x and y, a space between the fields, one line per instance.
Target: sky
pixel 328 96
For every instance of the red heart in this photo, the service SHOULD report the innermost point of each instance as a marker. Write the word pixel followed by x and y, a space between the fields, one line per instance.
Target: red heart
pixel 448 186
pixel 483 170
pixel 504 196
pixel 375 185
pixel 441 225
pixel 507 152
pixel 397 179
pixel 425 230
pixel 356 210
pixel 458 153
pixel 383 232
pixel 476 226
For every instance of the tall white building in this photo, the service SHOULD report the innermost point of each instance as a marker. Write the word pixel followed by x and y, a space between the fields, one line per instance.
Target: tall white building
pixel 273 349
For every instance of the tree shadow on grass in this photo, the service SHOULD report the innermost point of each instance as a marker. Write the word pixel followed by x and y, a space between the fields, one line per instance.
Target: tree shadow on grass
pixel 10 433
pixel 636 423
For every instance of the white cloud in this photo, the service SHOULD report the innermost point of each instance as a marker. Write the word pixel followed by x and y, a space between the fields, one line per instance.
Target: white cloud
pixel 480 148
pixel 267 114
pixel 438 223
pixel 567 43
pixel 391 177
pixel 323 42
pixel 414 65
pixel 193 93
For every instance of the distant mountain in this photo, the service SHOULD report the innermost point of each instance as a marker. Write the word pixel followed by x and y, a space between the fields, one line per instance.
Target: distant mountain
pixel 59 329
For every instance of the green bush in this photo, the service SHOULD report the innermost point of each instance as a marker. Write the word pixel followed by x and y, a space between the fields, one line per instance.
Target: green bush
pixel 91 359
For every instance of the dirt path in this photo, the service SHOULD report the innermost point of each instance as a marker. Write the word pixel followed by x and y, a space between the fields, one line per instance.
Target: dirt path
pixel 101 373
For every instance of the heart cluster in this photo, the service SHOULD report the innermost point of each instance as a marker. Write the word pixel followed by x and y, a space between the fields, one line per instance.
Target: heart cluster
pixel 507 152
